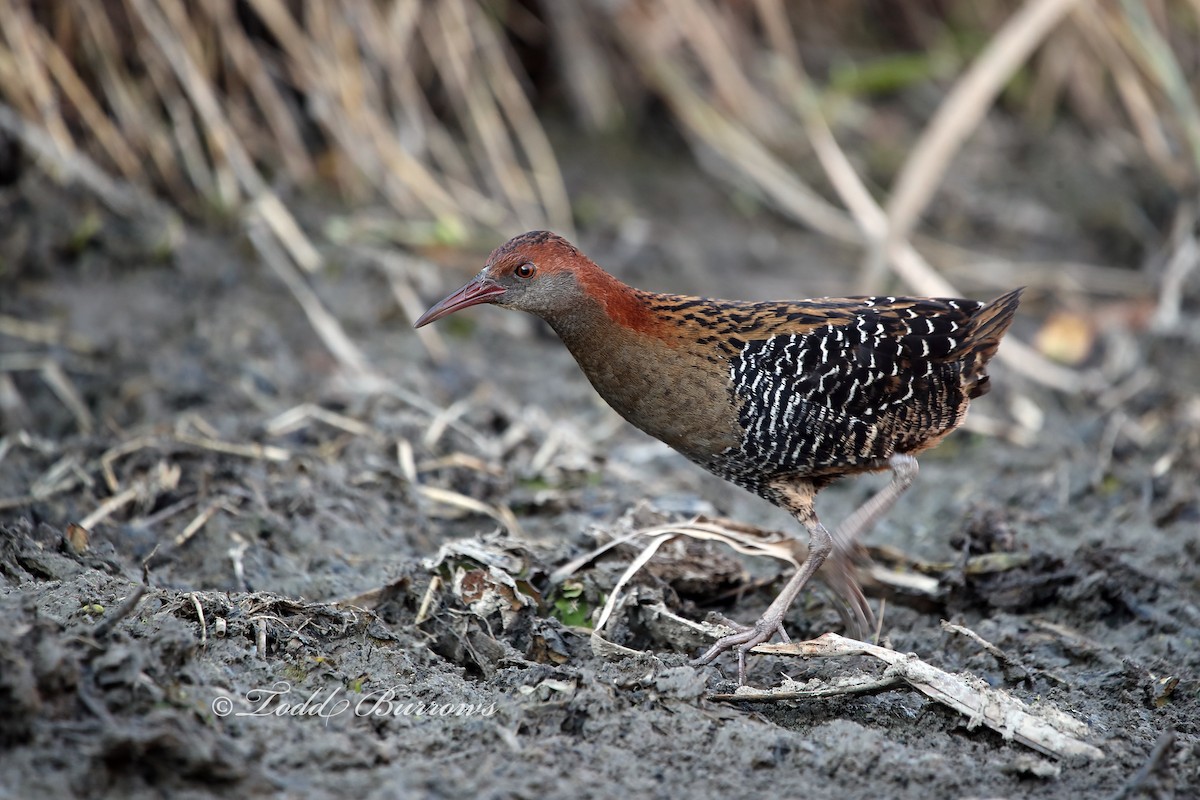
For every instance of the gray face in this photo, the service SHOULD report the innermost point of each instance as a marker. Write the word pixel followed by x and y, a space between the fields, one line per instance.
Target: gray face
pixel 543 293
pixel 536 273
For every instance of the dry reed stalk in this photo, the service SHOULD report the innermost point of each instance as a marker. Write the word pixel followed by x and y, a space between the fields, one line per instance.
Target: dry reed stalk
pixel 1149 45
pixel 129 100
pixel 588 72
pixel 553 203
pixel 108 136
pixel 106 78
pixel 34 95
pixel 252 67
pixel 197 102
pixel 1133 93
pixel 964 108
pixel 741 149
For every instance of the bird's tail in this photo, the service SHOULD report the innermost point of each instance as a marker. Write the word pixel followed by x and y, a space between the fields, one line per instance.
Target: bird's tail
pixel 987 328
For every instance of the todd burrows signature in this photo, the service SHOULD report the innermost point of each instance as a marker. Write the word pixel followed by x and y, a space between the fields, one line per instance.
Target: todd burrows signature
pixel 329 702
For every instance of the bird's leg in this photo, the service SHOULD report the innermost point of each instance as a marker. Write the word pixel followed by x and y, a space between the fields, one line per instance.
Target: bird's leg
pixel 820 544
pixel 904 472
pixel 839 573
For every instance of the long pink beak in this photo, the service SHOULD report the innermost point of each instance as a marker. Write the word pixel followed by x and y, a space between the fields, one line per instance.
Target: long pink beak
pixel 478 290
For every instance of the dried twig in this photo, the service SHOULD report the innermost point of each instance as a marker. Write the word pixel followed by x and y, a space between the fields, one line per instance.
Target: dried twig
pixel 110 456
pixel 296 417
pixel 412 307
pixel 198 522
pixel 108 507
pixel 1184 259
pixel 200 618
pixel 62 474
pixel 252 450
pixel 1004 658
pixel 501 513
pixel 163 478
pixel 260 637
pixel 327 327
pixel 745 539
pixel 56 378
pixel 1044 729
pixel 423 613
pixel 446 417
pixel 43 333
pixel 407 461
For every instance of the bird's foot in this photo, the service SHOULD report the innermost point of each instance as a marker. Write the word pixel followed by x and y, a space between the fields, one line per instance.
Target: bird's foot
pixel 740 627
pixel 745 640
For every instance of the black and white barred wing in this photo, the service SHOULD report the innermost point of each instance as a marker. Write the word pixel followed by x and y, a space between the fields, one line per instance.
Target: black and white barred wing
pixel 880 376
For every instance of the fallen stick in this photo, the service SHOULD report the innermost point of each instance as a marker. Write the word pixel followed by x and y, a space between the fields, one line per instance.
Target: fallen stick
pixel 1045 729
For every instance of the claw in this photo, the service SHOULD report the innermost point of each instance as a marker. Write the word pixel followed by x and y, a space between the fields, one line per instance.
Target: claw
pixel 745 641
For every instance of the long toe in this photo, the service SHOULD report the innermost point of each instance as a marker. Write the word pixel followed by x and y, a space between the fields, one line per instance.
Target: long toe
pixel 724 643
pixel 745 641
pixel 856 613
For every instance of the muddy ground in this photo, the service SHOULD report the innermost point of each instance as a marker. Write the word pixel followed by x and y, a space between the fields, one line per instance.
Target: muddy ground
pixel 248 531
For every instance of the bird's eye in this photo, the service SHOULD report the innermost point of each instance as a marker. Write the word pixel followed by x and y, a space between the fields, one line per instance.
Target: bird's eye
pixel 526 270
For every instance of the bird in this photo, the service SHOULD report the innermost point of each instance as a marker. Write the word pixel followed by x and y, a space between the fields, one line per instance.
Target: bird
pixel 779 398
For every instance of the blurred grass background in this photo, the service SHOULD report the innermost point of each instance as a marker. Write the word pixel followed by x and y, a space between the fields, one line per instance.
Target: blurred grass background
pixel 844 116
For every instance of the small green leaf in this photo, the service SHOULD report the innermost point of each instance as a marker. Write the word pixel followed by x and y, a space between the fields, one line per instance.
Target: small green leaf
pixel 570 607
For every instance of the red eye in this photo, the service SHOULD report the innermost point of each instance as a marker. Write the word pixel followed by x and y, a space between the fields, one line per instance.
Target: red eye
pixel 526 270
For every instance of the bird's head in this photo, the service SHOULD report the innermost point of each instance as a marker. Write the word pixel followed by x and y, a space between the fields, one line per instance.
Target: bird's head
pixel 537 272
